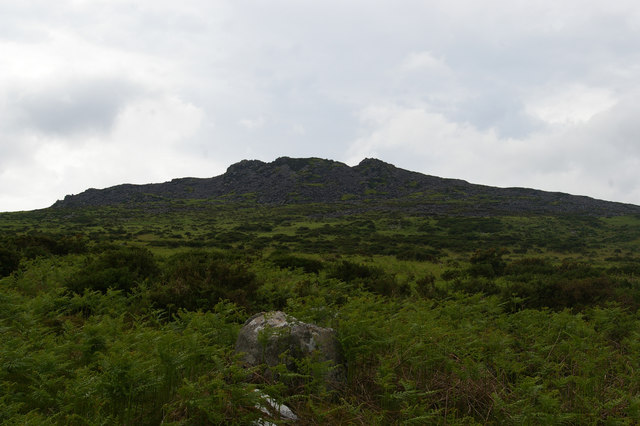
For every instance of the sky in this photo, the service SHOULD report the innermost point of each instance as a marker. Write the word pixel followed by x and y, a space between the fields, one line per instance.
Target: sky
pixel 95 93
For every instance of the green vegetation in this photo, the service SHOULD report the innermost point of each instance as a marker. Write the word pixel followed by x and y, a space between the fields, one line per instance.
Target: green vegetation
pixel 129 315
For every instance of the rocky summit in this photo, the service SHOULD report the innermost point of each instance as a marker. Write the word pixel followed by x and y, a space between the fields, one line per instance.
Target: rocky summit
pixel 372 184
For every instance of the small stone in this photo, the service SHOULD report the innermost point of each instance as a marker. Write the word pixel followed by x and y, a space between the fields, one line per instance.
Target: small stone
pixel 269 407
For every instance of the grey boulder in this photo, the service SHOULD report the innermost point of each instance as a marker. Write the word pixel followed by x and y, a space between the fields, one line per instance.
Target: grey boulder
pixel 274 338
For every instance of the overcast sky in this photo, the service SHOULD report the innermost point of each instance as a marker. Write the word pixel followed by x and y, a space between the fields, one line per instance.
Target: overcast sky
pixel 94 93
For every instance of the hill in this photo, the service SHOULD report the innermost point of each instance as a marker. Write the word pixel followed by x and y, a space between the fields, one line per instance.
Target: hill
pixel 314 180
pixel 452 303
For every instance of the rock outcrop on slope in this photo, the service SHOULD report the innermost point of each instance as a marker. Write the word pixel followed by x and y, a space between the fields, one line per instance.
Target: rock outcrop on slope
pixel 272 338
pixel 314 180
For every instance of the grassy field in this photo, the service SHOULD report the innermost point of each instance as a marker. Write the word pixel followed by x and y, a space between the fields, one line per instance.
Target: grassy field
pixel 129 315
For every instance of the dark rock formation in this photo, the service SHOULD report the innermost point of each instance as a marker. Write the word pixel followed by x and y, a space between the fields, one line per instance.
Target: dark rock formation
pixel 379 184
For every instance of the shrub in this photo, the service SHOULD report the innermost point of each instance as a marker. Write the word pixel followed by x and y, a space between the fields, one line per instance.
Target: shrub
pixel 350 271
pixel 475 285
pixel 452 274
pixel 372 278
pixel 585 291
pixel 572 269
pixel 530 266
pixel 253 227
pixel 9 261
pixel 487 263
pixel 627 268
pixel 198 280
pixel 426 287
pixel 121 269
pixel 420 254
pixel 42 244
pixel 287 261
pixel 561 293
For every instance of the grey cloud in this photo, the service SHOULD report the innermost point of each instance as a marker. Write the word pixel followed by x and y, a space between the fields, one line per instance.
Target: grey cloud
pixel 619 127
pixel 501 111
pixel 76 106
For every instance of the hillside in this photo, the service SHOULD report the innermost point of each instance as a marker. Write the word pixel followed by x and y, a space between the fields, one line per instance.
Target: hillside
pixel 451 303
pixel 313 180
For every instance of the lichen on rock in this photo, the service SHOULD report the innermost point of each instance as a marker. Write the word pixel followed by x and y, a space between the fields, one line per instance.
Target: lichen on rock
pixel 274 338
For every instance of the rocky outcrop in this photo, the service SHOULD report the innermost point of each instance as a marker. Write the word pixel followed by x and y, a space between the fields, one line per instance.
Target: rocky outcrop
pixel 314 180
pixel 273 338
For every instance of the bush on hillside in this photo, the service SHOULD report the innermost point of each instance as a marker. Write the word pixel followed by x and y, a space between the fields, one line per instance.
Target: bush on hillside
pixel 473 285
pixel 120 269
pixel 530 266
pixel 560 293
pixel 198 280
pixel 371 278
pixel 288 261
pixel 42 244
pixel 9 261
pixel 487 263
pixel 421 254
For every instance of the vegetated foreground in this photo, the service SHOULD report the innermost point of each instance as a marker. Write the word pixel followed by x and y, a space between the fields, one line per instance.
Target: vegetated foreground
pixel 126 315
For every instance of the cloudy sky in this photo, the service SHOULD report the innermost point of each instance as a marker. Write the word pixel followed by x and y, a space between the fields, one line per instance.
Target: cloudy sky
pixel 95 93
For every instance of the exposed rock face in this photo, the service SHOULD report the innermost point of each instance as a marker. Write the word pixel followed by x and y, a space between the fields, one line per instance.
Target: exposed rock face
pixel 265 337
pixel 314 180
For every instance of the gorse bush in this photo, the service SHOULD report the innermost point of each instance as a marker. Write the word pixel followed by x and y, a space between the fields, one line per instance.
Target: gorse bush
pixel 529 266
pixel 290 261
pixel 14 248
pixel 350 271
pixel 474 285
pixel 9 261
pixel 426 287
pixel 198 280
pixel 121 269
pixel 487 263
pixel 421 254
pixel 559 293
pixel 536 283
pixel 371 278
pixel 41 244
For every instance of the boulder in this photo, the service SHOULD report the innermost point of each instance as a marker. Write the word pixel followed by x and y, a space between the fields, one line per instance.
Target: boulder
pixel 273 338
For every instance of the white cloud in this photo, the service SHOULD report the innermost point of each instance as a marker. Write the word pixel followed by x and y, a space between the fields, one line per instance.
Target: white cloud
pixel 252 124
pixel 69 107
pixel 423 61
pixel 298 129
pixel 144 145
pixel 570 104
pixel 423 140
pixel 579 159
pixel 155 123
